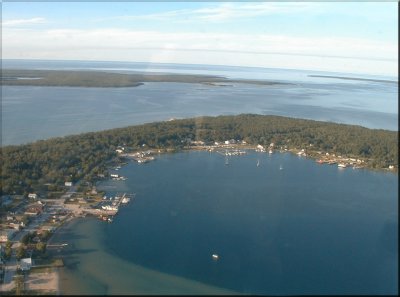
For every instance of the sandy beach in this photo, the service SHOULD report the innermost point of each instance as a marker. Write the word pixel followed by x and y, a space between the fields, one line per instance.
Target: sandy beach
pixel 46 281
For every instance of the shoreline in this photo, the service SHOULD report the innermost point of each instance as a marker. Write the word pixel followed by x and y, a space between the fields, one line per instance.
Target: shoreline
pixel 59 237
pixel 104 79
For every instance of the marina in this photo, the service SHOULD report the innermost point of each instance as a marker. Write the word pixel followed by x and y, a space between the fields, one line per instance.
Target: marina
pixel 109 207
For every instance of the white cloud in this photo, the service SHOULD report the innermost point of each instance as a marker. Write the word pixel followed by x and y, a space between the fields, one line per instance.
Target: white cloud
pixel 22 22
pixel 222 12
pixel 202 48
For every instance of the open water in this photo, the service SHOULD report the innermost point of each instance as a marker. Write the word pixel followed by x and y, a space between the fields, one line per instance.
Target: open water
pixel 33 113
pixel 305 229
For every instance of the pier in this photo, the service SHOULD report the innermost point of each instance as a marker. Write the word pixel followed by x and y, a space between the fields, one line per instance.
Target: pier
pixel 114 207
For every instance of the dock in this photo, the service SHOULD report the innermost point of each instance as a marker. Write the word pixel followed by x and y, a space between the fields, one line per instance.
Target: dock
pixel 118 200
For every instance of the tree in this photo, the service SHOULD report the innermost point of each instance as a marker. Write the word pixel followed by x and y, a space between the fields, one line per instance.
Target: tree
pixel 41 247
pixel 20 253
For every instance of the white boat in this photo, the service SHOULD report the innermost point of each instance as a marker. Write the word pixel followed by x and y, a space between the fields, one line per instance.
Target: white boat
pixel 109 207
pixel 280 167
pixel 215 257
pixel 125 200
pixel 341 165
pixel 258 163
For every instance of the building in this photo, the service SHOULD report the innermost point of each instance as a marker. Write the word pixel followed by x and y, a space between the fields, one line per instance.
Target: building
pixel 34 210
pixel 68 184
pixel 25 264
pixel 32 195
pixel 48 228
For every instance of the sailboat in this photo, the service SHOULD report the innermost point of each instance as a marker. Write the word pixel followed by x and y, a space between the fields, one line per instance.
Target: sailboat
pixel 258 163
pixel 281 167
pixel 226 160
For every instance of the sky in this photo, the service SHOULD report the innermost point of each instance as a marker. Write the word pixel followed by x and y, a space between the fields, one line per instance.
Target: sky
pixel 350 37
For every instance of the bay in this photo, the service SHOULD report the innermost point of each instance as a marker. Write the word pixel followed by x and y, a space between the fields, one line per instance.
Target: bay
pixel 34 113
pixel 305 229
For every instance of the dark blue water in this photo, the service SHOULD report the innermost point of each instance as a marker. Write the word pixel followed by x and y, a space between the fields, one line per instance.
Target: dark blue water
pixel 33 113
pixel 305 229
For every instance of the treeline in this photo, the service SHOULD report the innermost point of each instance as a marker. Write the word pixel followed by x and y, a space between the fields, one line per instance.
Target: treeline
pixel 46 165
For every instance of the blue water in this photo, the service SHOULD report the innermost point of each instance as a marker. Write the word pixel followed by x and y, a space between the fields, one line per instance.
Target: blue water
pixel 33 113
pixel 305 229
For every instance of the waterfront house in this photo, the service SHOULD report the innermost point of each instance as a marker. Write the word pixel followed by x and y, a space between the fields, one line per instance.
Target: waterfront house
pixel 68 184
pixel 48 228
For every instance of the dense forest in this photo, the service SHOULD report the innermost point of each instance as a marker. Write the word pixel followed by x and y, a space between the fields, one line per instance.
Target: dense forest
pixel 47 164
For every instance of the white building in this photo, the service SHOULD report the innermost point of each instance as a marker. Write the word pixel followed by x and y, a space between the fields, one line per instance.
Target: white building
pixel 25 264
pixel 32 195
pixel 68 184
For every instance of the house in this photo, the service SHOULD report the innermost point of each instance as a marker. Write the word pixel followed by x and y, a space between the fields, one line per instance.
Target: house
pixel 68 184
pixel 34 209
pixel 114 175
pixel 48 228
pixel 25 264
pixel 32 195
pixel 15 225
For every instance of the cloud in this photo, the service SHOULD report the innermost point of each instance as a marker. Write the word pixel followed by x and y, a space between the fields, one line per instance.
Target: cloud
pixel 254 49
pixel 22 22
pixel 222 12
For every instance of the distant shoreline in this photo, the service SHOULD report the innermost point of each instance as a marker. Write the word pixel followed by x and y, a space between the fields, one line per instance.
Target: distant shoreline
pixel 355 78
pixel 102 79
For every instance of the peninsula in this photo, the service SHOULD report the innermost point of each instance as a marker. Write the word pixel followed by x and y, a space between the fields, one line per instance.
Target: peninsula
pixel 69 78
pixel 47 164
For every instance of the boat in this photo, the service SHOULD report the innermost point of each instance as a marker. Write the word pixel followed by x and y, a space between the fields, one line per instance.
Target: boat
pixel 341 165
pixel 215 257
pixel 281 167
pixel 125 200
pixel 109 207
pixel 258 163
